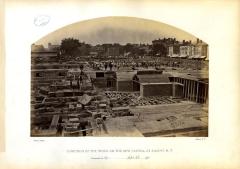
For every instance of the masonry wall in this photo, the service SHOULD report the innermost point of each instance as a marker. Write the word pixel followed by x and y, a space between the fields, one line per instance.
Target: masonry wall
pixel 157 89
pixel 124 86
pixel 100 82
pixel 103 83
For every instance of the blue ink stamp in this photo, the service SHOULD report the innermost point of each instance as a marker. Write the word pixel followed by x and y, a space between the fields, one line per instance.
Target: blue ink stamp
pixel 41 20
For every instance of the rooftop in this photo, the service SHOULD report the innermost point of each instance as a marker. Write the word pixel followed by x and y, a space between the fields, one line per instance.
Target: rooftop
pixel 125 76
pixel 153 78
pixel 200 76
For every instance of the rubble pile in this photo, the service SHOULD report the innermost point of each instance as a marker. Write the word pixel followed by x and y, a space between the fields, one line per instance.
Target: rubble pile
pixel 122 99
pixel 154 100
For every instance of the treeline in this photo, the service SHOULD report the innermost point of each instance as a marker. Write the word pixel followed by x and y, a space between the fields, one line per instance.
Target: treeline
pixel 73 47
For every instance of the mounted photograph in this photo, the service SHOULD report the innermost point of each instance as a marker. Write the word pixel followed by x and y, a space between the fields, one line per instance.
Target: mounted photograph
pixel 119 77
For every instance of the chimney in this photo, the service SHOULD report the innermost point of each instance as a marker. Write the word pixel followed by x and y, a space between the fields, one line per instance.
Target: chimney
pixel 197 40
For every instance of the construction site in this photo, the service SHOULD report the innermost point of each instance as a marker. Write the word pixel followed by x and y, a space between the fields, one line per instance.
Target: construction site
pixel 76 99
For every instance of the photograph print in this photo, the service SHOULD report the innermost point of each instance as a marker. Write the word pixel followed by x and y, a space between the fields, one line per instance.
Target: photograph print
pixel 119 77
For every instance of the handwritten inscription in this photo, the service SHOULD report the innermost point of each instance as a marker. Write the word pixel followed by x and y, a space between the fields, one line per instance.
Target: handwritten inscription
pixel 41 20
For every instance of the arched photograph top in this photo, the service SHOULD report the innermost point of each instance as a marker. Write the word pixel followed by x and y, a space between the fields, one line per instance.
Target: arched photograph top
pixel 119 77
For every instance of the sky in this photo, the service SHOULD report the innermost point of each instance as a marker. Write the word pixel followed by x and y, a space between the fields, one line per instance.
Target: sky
pixel 116 30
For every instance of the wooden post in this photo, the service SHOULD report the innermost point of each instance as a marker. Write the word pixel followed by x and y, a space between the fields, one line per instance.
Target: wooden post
pixel 197 92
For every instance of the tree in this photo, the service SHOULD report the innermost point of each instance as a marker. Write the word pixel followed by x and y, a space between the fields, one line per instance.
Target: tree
pixel 128 47
pixel 84 49
pixel 141 52
pixel 159 49
pixel 69 46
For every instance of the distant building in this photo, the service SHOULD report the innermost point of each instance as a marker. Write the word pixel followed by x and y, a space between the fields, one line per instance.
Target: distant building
pixel 174 50
pixel 37 48
pixel 113 51
pixel 93 53
pixel 201 49
pixel 97 50
pixel 160 47
pixel 44 56
pixel 144 49
pixel 187 49
pixel 53 47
